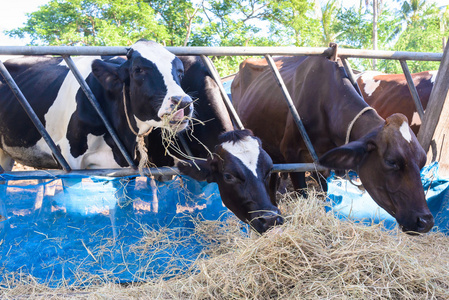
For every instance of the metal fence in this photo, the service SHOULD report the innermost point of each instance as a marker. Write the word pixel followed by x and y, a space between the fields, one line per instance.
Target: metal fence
pixel 204 52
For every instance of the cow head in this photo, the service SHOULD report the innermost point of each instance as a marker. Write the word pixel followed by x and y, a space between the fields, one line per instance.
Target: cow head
pixel 150 82
pixel 242 169
pixel 388 161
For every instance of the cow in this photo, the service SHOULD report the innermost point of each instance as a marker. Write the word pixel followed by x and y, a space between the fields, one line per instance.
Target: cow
pixel 242 170
pixel 384 152
pixel 389 93
pixel 136 95
pixel 154 85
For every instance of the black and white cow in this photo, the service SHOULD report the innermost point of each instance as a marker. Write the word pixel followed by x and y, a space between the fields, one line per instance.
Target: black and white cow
pixel 242 170
pixel 148 83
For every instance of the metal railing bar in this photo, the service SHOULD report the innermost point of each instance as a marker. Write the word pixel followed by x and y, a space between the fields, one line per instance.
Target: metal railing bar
pixel 298 167
pixel 88 92
pixel 184 144
pixel 62 50
pixel 33 117
pixel 235 117
pixel 162 171
pixel 223 51
pixel 292 108
pixel 412 88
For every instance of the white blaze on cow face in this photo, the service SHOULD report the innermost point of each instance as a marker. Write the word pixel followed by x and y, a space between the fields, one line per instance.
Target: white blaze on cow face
pixel 405 131
pixel 370 83
pixel 163 59
pixel 246 150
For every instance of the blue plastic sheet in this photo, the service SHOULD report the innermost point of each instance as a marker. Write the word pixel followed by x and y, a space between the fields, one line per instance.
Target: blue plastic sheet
pixel 97 226
pixel 348 201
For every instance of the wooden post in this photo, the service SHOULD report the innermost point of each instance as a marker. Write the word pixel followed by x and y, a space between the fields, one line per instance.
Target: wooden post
pixel 434 132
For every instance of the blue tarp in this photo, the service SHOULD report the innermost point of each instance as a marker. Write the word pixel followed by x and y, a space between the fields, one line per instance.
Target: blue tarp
pixel 99 226
pixel 348 201
pixel 110 227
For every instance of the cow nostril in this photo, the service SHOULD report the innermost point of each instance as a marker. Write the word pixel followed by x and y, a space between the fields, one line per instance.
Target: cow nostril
pixel 279 220
pixel 180 101
pixel 271 220
pixel 422 222
pixel 425 223
pixel 175 99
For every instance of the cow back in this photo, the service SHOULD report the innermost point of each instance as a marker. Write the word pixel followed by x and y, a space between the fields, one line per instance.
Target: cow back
pixel 320 94
pixel 389 93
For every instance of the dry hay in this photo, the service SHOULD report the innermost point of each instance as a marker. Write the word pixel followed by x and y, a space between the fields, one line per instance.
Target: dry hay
pixel 312 256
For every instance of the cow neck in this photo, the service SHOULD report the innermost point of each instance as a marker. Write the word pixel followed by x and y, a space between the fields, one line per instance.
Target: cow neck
pixel 348 132
pixel 362 124
pixel 140 138
pixel 368 124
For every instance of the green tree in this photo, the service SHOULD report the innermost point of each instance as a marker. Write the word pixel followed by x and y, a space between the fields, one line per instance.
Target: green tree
pixel 411 10
pixel 292 22
pixel 230 23
pixel 178 17
pixel 356 28
pixel 92 22
pixel 424 33
pixel 327 16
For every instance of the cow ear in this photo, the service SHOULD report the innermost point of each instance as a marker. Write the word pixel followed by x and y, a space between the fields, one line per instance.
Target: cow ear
pixel 200 170
pixel 123 72
pixel 108 75
pixel 346 157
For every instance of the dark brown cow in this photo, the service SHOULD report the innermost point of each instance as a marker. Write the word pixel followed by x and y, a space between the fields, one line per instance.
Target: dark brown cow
pixel 385 153
pixel 389 93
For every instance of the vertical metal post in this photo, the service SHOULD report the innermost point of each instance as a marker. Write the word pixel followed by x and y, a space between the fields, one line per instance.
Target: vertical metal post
pixel 292 108
pixel 88 92
pixel 226 99
pixel 33 117
pixel 184 144
pixel 412 88
pixel 348 70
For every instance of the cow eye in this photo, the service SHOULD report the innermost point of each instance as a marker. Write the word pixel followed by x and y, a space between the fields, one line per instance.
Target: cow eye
pixel 138 70
pixel 392 164
pixel 228 177
pixel 180 74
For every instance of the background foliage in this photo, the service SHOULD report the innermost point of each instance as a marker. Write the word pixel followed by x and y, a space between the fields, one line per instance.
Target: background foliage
pixel 411 25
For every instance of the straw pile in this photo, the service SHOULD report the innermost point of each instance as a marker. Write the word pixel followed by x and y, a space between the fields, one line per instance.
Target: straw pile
pixel 313 256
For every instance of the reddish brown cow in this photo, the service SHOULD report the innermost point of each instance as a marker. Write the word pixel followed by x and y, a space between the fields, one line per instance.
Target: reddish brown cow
pixel 385 153
pixel 389 93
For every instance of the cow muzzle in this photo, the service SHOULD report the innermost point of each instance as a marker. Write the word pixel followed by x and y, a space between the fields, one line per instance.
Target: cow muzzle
pixel 422 224
pixel 182 106
pixel 263 220
pixel 179 113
